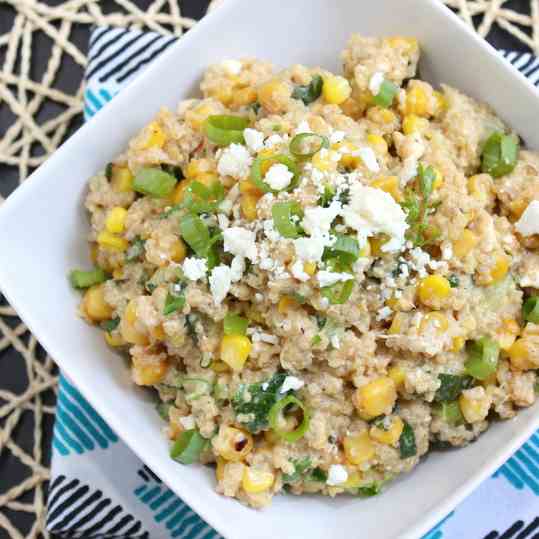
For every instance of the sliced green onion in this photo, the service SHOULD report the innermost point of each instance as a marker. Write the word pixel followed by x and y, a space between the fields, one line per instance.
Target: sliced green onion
pixel 173 303
pixel 386 94
pixel 202 199
pixel 154 182
pixel 256 171
pixel 110 325
pixel 450 412
pixel 282 213
pixel 482 359
pixel 316 340
pixel 224 129
pixel 345 249
pixel 327 196
pixel 499 155
pixel 276 418
pixel 205 360
pixel 427 177
pixel 84 279
pixel 338 293
pixel 108 171
pixel 530 310
pixel 372 489
pixel 195 233
pixel 188 447
pixel 234 324
pixel 318 475
pixel 407 445
pixel 309 92
pixel 451 386
pixel 298 143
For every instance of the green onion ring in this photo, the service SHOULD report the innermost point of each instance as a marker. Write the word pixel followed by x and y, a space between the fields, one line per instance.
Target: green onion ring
pixel 256 171
pixel 277 411
pixel 295 144
pixel 224 129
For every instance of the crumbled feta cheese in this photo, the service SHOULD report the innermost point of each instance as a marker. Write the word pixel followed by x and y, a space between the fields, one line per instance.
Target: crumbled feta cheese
pixel 254 139
pixel 194 268
pixel 291 383
pixel 188 422
pixel 369 158
pixel 269 229
pixel 303 127
pixel 259 297
pixel 220 281
pixel 273 140
pixel 383 314
pixel 235 161
pixel 447 251
pixel 278 177
pixel 237 268
pixel 408 171
pixel 528 224
pixel 336 137
pixel 337 475
pixel 320 219
pixel 311 249
pixel 265 386
pixel 372 211
pixel 298 272
pixel 269 339
pixel 223 221
pixel 328 278
pixel 232 67
pixel 225 206
pixel 420 260
pixel 240 241
pixel 376 82
pixel 335 341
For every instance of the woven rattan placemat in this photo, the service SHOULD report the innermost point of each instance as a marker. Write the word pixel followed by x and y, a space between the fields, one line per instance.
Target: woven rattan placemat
pixel 37 40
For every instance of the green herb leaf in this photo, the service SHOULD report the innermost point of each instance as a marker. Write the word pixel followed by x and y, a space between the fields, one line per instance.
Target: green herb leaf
pixel 175 300
pixel 482 359
pixel 454 281
pixel 108 171
pixel 500 154
pixel 136 250
pixel 407 445
pixel 300 467
pixel 110 325
pixel 451 386
pixel 367 491
pixel 530 310
pixel 163 409
pixel 388 91
pixel 318 475
pixel 309 92
pixel 286 217
pixel 196 234
pixel 345 250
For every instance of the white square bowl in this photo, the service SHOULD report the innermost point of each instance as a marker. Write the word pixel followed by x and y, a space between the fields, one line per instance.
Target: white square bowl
pixel 43 228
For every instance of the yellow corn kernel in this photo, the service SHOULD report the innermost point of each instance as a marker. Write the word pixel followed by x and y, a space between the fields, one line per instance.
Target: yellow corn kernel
pixel 441 103
pixel 243 97
pixel 235 350
pixel 127 326
pixel 518 206
pixel 310 268
pixel 118 273
pixel 156 137
pixel 286 303
pixel 233 444
pixel 389 184
pixel 377 143
pixel 111 242
pixel 196 167
pixel 336 89
pixel 376 398
pixel 409 44
pixel 130 313
pixel 179 192
pixel 220 469
pixel 416 101
pixel 433 289
pixel 114 339
pixel 115 222
pixel 465 244
pixel 398 376
pixel 219 366
pixel 391 435
pixel 458 344
pixel 474 409
pixel 358 448
pixel 326 160
pixel 197 116
pixel 178 251
pixel 381 116
pixel 94 305
pixel 438 179
pixel 149 373
pixel 396 324
pixel 222 93
pixel 354 480
pixel 273 94
pixel 500 268
pixel 254 481
pixel 248 204
pixel 158 333
pixel 347 150
pixel 436 320
pixel 122 179
pixel 248 187
pixel 523 354
pixel 507 333
pixel 412 123
pixel 376 245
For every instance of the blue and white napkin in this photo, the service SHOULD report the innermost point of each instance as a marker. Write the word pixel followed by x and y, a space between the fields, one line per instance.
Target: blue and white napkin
pixel 100 489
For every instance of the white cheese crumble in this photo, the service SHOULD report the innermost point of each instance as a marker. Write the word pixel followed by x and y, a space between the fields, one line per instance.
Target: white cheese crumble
pixel 298 272
pixel 223 221
pixel 337 475
pixel 383 314
pixel 328 278
pixel 372 211
pixel 420 259
pixel 336 137
pixel 232 67
pixel 188 422
pixel 273 140
pixel 447 251
pixel 240 241
pixel 376 82
pixel 237 268
pixel 291 383
pixel 278 177
pixel 194 268
pixel 319 219
pixel 528 224
pixel 235 161
pixel 303 127
pixel 220 281
pixel 369 158
pixel 254 139
pixel 311 249
pixel 269 339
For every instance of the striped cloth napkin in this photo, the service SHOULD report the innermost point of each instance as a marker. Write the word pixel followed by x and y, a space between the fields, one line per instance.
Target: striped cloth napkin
pixel 100 489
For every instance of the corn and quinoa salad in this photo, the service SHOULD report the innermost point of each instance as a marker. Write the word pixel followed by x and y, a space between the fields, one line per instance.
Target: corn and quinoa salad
pixel 322 276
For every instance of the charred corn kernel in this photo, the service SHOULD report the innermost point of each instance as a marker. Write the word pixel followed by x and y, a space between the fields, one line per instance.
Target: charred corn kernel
pixel 347 150
pixel 158 333
pixel 358 448
pixel 433 289
pixel 398 375
pixel 127 326
pixel 500 268
pixel 441 103
pixel 118 273
pixel 474 409
pixel 409 44
pixel 354 480
pixel 115 222
pixel 220 469
pixel 326 160
pixel 381 116
pixel 353 108
pixel 114 339
pixel 412 123
pixel 286 303
pixel 457 344
pixel 146 373
pixel 507 333
pixel 434 320
pixel 377 143
pixel 465 244
pixel 254 481
pixel 122 179
pixel 396 324
pixel 438 179
pixel 94 304
pixel 198 115
pixel 518 206
pixel 219 366
pixel 178 251
pixel 336 89
pixel 156 137
pixel 376 398
pixel 235 350
pixel 111 242
pixel 243 97
pixel 273 94
pixel 416 101
pixel 310 268
pixel 388 436
pixel 524 354
pixel 365 251
pixel 389 184
pixel 376 245
pixel 248 204
pixel 233 444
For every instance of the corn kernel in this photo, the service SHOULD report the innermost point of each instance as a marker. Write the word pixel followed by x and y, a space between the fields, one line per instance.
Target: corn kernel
pixel 220 469
pixel 127 326
pixel 233 444
pixel 158 333
pixel 433 289
pixel 248 204
pixel 381 116
pixel 376 245
pixel 465 244
pixel 409 44
pixel 479 186
pixel 94 305
pixel 222 93
pixel 507 333
pixel 196 167
pixel 524 354
pixel 416 101
pixel 347 150
pixel 376 398
pixel 326 160
pixel 122 179
pixel 156 137
pixel 441 103
pixel 243 97
pixel 518 206
pixel 115 222
pixel 178 251
pixel 414 124
pixel 179 192
pixel 358 448
pixel 336 89
pixel 435 320
pixel 353 107
pixel 249 188
pixel 254 481
pixel 389 184
pixel 500 268
pixel 286 303
pixel 396 324
pixel 458 344
pixel 111 242
pixel 146 373
pixel 398 376
pixel 118 273
pixel 235 350
pixel 114 339
pixel 378 144
pixel 273 95
pixel 310 268
pixel 197 116
pixel 474 409
pixel 391 435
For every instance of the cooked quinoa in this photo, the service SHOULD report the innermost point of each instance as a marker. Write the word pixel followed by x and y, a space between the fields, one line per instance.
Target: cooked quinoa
pixel 321 276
